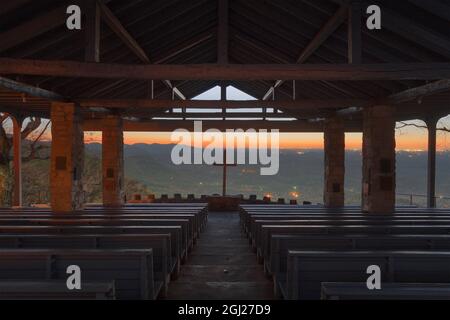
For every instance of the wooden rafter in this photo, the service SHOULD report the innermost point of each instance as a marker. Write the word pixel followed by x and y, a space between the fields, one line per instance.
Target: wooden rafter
pixel 117 27
pixel 28 89
pixel 419 92
pixel 330 26
pixel 336 72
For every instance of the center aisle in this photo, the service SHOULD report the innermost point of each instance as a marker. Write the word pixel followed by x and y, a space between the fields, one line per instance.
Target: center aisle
pixel 222 265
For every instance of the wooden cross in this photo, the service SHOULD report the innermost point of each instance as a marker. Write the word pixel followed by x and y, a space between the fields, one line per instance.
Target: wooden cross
pixel 224 165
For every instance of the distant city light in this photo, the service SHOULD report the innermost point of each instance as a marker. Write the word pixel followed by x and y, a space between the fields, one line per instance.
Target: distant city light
pixel 294 194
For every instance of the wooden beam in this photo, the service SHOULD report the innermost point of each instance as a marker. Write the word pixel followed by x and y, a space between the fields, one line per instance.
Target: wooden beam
pixel 28 89
pixel 117 27
pixel 354 33
pixel 171 125
pixel 222 32
pixel 228 115
pixel 332 72
pixel 418 92
pixel 92 31
pixel 324 33
pixel 229 104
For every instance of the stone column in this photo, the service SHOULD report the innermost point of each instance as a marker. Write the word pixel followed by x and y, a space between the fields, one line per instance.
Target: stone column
pixel 334 166
pixel 67 158
pixel 378 176
pixel 17 147
pixel 431 167
pixel 112 162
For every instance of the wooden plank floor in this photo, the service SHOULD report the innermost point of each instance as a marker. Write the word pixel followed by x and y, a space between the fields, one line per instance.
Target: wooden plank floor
pixel 222 265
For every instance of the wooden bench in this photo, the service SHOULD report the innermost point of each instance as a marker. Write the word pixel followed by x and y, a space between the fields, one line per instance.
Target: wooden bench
pixel 131 270
pixel 200 213
pixel 163 261
pixel 306 270
pixel 55 290
pixel 194 221
pixel 322 219
pixel 256 225
pixel 247 221
pixel 175 233
pixel 187 235
pixel 276 264
pixel 388 291
pixel 268 230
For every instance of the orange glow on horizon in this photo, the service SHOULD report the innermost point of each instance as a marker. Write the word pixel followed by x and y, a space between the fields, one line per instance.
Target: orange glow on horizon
pixel 353 141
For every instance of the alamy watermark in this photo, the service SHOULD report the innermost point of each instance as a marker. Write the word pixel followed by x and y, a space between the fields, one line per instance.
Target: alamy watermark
pixel 235 146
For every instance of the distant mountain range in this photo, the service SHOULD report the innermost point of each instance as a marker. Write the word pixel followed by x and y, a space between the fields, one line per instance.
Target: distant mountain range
pixel 301 171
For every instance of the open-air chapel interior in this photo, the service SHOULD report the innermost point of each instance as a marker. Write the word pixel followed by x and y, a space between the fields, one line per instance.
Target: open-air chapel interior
pixel 333 67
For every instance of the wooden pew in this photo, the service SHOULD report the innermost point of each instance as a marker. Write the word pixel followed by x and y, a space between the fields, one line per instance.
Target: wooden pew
pixel 163 261
pixel 256 225
pixel 175 233
pixel 388 291
pixel 308 269
pixel 55 290
pixel 187 234
pixel 131 270
pixel 276 263
pixel 249 226
pixel 200 213
pixel 268 230
pixel 194 221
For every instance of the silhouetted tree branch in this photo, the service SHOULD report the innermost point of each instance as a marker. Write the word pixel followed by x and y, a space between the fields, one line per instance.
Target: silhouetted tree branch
pixel 402 124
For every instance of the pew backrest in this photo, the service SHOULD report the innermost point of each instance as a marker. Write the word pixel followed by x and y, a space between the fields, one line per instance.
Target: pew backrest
pixel 388 291
pixel 163 258
pixel 308 269
pixel 131 270
pixel 55 290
